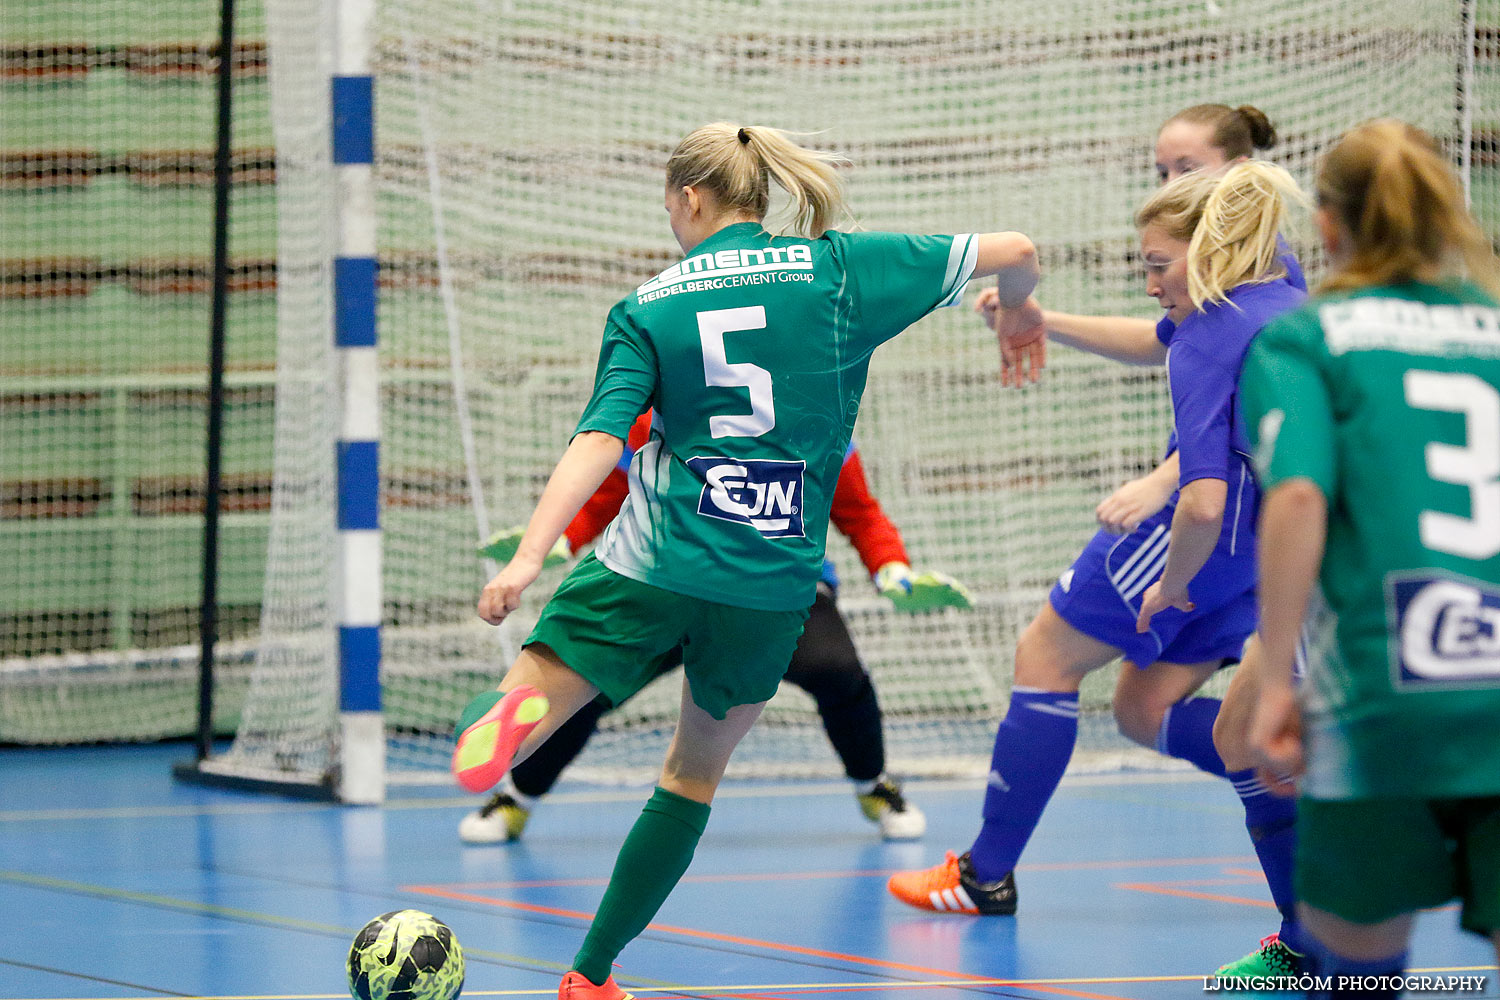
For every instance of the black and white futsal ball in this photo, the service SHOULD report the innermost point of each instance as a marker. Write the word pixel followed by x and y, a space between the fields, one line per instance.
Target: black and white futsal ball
pixel 405 955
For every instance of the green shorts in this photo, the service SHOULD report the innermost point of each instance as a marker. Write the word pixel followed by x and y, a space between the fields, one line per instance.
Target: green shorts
pixel 1368 860
pixel 619 633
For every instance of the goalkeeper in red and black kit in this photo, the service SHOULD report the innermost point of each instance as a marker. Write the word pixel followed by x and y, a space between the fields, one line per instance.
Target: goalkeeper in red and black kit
pixel 825 663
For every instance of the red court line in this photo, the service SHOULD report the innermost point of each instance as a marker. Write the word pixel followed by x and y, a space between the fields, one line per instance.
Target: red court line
pixel 793 949
pixel 1064 866
pixel 816 991
pixel 746 877
pixel 1248 878
pixel 1164 889
pixel 1090 866
pixel 1232 880
pixel 897 987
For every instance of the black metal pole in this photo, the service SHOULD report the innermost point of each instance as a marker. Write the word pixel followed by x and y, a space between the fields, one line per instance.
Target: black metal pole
pixel 1467 104
pixel 208 615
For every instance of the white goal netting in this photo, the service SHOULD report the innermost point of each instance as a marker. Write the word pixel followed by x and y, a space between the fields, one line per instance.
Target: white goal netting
pixel 520 152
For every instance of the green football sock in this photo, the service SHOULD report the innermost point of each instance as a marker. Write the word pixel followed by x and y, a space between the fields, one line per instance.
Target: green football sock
pixel 655 855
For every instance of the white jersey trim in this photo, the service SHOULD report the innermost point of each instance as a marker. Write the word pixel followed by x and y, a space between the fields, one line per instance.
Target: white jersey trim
pixel 963 257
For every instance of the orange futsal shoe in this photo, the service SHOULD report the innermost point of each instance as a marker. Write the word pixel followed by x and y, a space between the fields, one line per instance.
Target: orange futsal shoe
pixel 576 987
pixel 487 745
pixel 952 888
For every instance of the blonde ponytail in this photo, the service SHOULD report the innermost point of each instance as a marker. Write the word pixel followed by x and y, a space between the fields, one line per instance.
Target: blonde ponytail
pixel 1231 222
pixel 1236 240
pixel 737 164
pixel 1403 208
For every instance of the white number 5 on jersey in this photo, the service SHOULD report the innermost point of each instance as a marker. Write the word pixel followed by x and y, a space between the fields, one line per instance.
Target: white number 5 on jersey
pixel 717 370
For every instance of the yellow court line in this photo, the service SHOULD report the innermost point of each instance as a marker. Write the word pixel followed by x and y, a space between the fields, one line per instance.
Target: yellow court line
pixel 764 987
pixel 167 902
pixel 230 913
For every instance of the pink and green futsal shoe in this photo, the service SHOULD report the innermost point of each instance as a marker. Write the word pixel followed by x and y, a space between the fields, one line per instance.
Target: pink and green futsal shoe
pixel 575 987
pixel 489 731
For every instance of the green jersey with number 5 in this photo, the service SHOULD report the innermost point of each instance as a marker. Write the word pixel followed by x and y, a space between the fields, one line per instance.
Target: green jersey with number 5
pixel 1389 400
pixel 753 352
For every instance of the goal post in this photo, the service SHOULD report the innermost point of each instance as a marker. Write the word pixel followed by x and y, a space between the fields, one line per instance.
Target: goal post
pixel 361 760
pixel 517 172
pixel 347 762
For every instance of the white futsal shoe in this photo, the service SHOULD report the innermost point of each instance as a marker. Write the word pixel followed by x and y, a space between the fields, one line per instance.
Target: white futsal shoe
pixel 501 819
pixel 885 805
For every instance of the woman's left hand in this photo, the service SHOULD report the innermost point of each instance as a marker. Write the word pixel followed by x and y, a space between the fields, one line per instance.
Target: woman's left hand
pixel 1022 332
pixel 1157 600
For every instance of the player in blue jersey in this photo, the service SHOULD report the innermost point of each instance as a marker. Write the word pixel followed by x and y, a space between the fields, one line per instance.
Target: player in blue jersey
pixel 1376 414
pixel 1214 263
pixel 1201 137
pixel 1149 708
pixel 753 353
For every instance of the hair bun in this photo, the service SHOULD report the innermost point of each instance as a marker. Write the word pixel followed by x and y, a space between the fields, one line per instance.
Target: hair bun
pixel 744 137
pixel 1262 132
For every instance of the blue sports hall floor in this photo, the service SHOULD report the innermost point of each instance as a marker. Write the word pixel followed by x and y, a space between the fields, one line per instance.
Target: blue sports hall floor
pixel 117 881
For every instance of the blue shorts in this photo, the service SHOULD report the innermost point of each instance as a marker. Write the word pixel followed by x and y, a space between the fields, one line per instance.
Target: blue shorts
pixel 1100 596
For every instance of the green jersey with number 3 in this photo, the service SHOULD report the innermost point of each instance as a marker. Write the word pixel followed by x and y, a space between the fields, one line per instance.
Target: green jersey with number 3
pixel 1389 400
pixel 753 352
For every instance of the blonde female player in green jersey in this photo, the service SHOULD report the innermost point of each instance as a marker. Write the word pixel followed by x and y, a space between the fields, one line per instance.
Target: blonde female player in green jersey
pixel 753 352
pixel 1377 412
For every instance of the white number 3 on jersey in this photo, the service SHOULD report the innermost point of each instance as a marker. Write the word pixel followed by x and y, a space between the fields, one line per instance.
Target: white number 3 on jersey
pixel 1475 465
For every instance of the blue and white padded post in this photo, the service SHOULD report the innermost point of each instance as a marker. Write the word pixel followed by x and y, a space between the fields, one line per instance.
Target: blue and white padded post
pixel 361 756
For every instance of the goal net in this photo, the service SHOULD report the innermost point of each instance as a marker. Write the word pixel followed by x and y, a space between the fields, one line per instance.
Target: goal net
pixel 520 151
pixel 106 206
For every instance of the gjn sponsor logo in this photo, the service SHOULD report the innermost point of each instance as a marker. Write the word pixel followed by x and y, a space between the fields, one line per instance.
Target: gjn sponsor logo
pixel 1449 631
pixel 763 493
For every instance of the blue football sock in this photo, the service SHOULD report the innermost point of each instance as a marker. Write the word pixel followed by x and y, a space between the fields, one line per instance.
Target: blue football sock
pixel 1187 733
pixel 1272 822
pixel 1032 750
pixel 1352 979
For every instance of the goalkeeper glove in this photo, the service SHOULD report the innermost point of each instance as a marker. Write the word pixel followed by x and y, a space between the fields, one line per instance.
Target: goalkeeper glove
pixel 502 546
pixel 926 592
